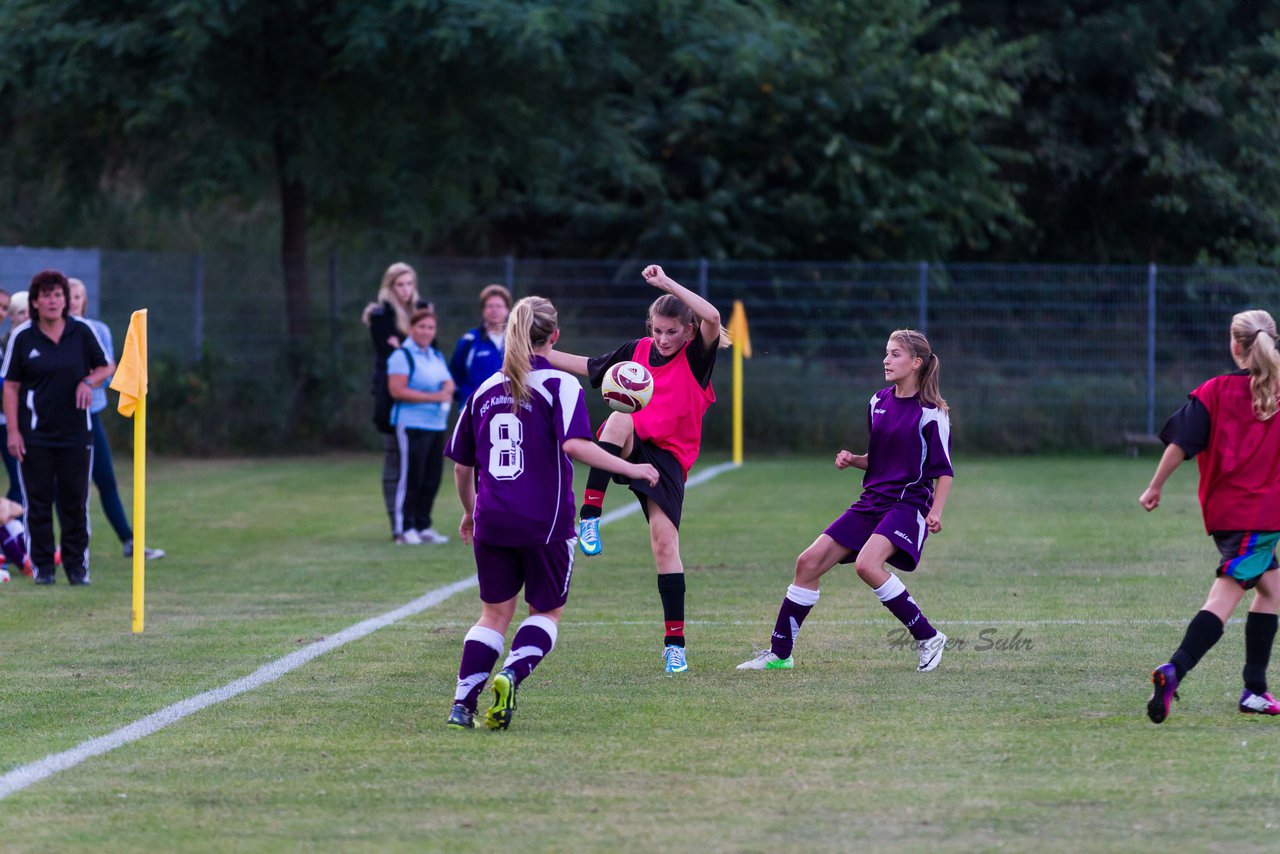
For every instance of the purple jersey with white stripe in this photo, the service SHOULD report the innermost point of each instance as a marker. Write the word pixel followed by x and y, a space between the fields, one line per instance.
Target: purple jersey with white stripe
pixel 910 447
pixel 524 488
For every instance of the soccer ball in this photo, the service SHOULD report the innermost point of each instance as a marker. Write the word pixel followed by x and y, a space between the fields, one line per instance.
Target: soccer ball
pixel 4 575
pixel 627 386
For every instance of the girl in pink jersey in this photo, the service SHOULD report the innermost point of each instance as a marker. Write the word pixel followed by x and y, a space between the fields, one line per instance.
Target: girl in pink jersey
pixel 685 334
pixel 1230 423
pixel 511 446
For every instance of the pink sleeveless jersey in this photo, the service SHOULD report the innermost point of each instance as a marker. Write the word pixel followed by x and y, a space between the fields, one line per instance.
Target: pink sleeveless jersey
pixel 673 418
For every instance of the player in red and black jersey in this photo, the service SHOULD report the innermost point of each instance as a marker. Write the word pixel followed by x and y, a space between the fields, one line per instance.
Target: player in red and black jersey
pixel 680 353
pixel 1229 423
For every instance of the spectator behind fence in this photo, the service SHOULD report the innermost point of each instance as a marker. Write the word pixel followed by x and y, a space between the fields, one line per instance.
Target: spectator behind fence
pixel 388 322
pixel 478 354
pixel 418 380
pixel 51 367
pixel 104 473
pixel 16 309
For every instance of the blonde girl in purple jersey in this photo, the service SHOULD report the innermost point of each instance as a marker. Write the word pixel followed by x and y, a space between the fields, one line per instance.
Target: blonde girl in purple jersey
pixel 511 447
pixel 908 478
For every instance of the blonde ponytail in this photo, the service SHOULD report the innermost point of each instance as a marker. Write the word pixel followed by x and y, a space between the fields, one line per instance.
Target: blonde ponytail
pixel 927 377
pixel 531 324
pixel 1254 332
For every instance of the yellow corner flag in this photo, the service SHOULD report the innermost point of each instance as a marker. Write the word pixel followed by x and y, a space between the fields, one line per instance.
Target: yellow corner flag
pixel 131 374
pixel 741 348
pixel 131 381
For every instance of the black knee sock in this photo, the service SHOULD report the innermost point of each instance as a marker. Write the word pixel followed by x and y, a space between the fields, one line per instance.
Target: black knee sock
pixel 597 483
pixel 671 590
pixel 1259 634
pixel 1203 632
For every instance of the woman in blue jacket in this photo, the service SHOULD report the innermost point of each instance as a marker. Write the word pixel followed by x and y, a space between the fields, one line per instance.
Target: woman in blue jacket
pixel 479 352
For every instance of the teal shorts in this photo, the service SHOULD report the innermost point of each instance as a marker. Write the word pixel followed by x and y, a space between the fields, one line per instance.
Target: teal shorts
pixel 1246 555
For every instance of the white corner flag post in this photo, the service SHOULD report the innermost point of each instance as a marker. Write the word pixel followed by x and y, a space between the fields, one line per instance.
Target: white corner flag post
pixel 741 348
pixel 131 381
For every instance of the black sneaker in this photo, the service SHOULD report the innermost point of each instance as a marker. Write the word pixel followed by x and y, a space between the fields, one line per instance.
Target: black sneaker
pixel 504 701
pixel 79 582
pixel 1164 681
pixel 460 718
pixel 41 578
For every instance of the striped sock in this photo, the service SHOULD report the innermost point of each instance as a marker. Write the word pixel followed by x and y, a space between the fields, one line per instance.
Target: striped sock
pixel 533 642
pixel 796 605
pixel 480 651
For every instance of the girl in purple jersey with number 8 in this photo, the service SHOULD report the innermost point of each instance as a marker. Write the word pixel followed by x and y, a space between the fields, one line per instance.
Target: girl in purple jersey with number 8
pixel 511 447
pixel 909 451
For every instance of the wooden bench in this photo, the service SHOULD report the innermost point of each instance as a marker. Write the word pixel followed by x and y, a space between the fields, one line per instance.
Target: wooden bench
pixel 1133 442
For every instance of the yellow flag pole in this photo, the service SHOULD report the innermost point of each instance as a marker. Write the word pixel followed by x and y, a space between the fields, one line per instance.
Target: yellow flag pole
pixel 741 348
pixel 139 514
pixel 737 403
pixel 131 381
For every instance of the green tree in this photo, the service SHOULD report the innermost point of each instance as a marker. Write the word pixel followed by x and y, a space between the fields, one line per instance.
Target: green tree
pixel 1149 129
pixel 806 129
pixel 609 128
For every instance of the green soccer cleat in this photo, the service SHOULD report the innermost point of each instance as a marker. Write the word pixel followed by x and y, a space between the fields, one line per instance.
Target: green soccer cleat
pixel 460 718
pixel 766 660
pixel 504 701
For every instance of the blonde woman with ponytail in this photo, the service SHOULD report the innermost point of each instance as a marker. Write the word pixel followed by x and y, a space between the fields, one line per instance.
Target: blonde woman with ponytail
pixel 389 329
pixel 512 447
pixel 908 478
pixel 1229 423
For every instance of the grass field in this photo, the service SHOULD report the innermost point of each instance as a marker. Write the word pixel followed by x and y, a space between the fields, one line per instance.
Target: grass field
pixel 1031 736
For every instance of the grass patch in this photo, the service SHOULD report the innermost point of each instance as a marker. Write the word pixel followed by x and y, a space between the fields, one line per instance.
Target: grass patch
pixel 1041 746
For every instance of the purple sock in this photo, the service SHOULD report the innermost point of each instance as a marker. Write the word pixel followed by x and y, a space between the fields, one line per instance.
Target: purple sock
pixel 535 638
pixel 894 596
pixel 13 542
pixel 480 652
pixel 796 605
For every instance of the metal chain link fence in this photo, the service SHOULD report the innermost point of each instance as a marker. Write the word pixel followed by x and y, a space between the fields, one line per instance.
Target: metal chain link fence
pixel 1034 358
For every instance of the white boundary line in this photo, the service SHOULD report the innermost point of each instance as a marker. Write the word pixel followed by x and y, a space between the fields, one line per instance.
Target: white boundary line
pixel 25 775
pixel 888 621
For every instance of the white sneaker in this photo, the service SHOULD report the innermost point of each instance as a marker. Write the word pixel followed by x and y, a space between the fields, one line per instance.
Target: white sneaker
pixel 931 651
pixel 410 537
pixel 766 660
pixel 432 536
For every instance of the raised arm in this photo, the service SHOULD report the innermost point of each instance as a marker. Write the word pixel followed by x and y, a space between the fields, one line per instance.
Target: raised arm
pixel 707 314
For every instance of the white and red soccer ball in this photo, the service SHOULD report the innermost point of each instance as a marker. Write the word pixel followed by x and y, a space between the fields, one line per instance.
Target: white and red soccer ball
pixel 627 386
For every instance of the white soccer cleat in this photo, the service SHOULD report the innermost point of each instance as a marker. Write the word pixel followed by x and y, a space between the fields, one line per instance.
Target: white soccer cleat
pixel 410 537
pixel 766 660
pixel 931 651
pixel 432 536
